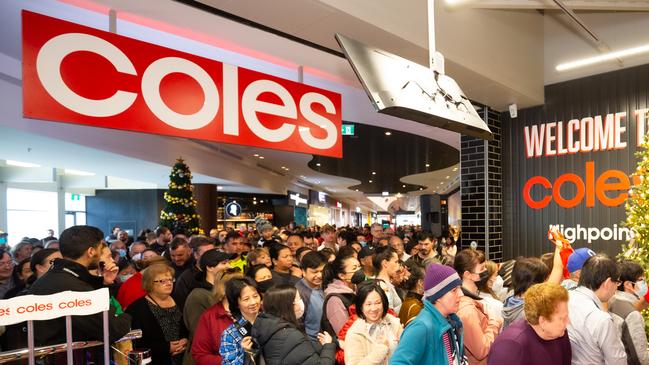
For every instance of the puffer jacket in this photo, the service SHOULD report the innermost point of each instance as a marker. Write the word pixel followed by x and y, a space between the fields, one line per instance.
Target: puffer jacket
pixel 635 338
pixel 364 350
pixel 281 342
pixel 480 331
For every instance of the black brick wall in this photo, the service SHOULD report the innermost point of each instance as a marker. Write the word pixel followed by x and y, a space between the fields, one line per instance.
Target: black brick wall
pixel 481 189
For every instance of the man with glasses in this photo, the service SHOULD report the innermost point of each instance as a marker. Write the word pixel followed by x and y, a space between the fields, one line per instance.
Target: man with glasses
pixel 376 230
pixel 594 337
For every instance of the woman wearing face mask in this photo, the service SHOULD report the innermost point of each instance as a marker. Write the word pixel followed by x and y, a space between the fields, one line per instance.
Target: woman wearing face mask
pixel 339 292
pixel 279 335
pixel 632 287
pixel 488 289
pixel 414 286
pixel 244 302
pixel 480 330
pixel 374 336
pixel 262 275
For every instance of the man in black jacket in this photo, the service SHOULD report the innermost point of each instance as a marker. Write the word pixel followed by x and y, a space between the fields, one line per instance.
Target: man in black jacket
pixel 83 249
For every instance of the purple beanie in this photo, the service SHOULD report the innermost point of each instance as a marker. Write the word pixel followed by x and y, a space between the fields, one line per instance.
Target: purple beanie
pixel 439 280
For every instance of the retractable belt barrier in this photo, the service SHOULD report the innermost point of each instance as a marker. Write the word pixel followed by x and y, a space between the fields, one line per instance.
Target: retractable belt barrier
pixel 30 308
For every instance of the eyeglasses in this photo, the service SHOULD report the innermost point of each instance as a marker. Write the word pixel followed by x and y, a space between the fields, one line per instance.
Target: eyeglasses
pixel 7 263
pixel 165 281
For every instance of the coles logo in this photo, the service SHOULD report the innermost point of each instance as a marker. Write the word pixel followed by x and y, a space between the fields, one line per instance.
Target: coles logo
pixel 76 74
pixel 610 188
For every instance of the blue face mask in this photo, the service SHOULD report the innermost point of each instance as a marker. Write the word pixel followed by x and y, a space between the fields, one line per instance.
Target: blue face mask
pixel 641 288
pixel 3 241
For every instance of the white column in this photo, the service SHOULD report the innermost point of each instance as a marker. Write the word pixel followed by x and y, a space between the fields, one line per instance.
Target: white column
pixel 3 206
pixel 60 203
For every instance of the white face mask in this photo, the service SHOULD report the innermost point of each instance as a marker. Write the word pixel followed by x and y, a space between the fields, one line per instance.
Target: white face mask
pixel 498 284
pixel 300 310
pixel 641 288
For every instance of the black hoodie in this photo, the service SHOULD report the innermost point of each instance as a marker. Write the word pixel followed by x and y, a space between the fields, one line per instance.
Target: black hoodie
pixel 282 343
pixel 70 275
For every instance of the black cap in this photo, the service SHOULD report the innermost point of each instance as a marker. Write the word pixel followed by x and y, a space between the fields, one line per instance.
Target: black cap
pixel 366 251
pixel 213 257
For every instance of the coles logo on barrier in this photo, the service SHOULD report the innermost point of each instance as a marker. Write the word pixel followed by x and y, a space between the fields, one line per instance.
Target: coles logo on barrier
pixel 42 307
pixel 81 75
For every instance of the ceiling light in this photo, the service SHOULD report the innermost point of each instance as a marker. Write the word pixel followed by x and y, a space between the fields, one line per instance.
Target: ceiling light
pixel 302 176
pixel 261 201
pixel 447 177
pixel 219 187
pixel 602 58
pixel 254 203
pixel 356 189
pixel 254 198
pixel 318 164
pixel 370 181
pixel 283 167
pixel 373 173
pixel 385 193
pixel 403 186
pixel 261 157
pixel 388 133
pixel 21 164
pixel 78 172
pixel 455 169
pixel 286 169
pixel 421 188
pixel 256 155
pixel 427 165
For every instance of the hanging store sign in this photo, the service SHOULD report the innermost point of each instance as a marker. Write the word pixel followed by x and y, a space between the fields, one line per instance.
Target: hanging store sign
pixel 81 75
pixel 233 209
pixel 297 199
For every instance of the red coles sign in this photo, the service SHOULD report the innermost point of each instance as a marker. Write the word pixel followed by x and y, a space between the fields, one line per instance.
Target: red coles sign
pixel 81 75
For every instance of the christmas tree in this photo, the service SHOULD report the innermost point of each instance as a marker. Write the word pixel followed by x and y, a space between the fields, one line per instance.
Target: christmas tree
pixel 180 211
pixel 637 216
pixel 637 211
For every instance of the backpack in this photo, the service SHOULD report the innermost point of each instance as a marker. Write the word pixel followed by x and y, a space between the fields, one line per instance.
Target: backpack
pixel 622 309
pixel 325 325
pixel 340 351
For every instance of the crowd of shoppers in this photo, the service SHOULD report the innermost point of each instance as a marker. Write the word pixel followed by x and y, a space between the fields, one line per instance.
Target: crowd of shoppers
pixel 327 295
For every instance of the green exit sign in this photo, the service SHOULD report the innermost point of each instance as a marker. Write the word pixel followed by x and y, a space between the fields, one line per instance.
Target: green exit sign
pixel 348 129
pixel 75 197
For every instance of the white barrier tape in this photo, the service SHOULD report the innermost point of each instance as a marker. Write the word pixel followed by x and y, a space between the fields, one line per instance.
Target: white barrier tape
pixel 42 307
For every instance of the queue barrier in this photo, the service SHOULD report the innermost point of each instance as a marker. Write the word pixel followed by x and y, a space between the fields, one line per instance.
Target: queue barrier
pixel 30 308
pixel 13 355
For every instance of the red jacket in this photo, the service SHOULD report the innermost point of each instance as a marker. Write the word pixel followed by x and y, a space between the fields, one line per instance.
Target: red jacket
pixel 207 337
pixel 131 290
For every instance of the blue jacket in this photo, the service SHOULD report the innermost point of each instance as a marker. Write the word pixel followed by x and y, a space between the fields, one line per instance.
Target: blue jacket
pixel 422 342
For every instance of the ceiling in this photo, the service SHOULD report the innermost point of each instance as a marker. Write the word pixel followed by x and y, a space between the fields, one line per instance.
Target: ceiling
pixel 498 57
pixel 380 161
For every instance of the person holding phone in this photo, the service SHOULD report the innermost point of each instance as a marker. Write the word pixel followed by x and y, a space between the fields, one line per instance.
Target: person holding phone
pixel 244 301
pixel 84 250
